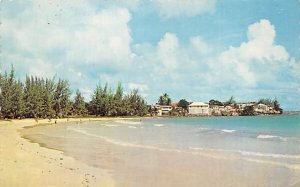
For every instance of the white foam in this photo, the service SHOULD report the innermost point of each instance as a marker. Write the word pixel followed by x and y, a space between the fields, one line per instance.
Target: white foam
pixel 249 159
pixel 203 153
pixel 158 125
pixel 246 153
pixel 269 155
pixel 132 127
pixel 266 136
pixel 128 122
pixel 120 143
pixel 228 130
pixel 112 125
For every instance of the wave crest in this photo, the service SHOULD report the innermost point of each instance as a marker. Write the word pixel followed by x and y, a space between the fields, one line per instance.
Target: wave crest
pixel 228 130
pixel 128 122
pixel 271 137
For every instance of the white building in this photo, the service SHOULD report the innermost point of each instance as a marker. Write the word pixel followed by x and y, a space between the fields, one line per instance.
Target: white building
pixel 199 108
pixel 163 109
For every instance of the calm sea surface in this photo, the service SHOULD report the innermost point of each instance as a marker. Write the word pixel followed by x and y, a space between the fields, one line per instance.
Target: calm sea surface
pixel 243 151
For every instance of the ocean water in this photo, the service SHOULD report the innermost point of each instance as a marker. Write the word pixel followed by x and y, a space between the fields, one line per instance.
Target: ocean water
pixel 239 151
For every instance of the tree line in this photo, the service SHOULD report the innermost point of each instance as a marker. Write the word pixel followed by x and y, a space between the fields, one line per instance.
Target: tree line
pixel 39 97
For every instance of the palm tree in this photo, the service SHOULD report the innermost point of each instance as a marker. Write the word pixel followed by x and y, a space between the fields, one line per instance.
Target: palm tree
pixel 164 99
pixel 231 100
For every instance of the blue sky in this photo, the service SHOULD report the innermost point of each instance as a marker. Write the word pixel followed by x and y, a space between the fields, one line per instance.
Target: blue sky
pixel 196 49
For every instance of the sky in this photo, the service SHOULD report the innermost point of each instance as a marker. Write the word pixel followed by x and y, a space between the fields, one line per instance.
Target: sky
pixel 191 49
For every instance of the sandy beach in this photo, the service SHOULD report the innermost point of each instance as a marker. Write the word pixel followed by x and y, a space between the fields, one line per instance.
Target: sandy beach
pixel 28 164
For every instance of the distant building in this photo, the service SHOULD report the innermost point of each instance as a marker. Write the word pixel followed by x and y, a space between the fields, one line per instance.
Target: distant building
pixel 261 108
pixel 161 109
pixel 165 109
pixel 198 108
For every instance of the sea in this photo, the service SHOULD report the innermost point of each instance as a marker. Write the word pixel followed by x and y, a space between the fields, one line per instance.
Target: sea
pixel 196 151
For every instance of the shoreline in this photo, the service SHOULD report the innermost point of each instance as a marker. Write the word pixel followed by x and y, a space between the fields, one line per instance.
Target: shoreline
pixel 24 163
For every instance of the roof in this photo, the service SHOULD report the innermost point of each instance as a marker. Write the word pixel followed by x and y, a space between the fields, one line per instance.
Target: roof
pixel 174 104
pixel 198 104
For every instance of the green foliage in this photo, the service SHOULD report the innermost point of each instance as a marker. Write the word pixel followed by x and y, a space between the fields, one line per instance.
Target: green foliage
pixel 271 103
pixel 277 106
pixel 11 99
pixel 79 107
pixel 17 101
pixel 99 104
pixel 215 102
pixel 164 99
pixel 33 96
pixel 45 98
pixel 62 93
pixel 266 101
pixel 136 105
pixel 48 99
pixel 183 104
pixel 107 103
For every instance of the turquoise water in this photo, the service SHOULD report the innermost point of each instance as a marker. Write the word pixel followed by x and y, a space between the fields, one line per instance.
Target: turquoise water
pixel 261 134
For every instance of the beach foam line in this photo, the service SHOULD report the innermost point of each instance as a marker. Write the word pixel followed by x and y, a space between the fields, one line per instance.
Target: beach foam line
pixel 228 130
pixel 111 125
pixel 267 136
pixel 159 125
pixel 246 153
pixel 205 154
pixel 132 127
pixel 128 122
pixel 255 160
pixel 289 166
pixel 297 157
pixel 120 143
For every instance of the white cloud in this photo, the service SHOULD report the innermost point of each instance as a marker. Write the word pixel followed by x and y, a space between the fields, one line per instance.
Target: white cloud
pixel 104 38
pixel 262 31
pixel 131 4
pixel 254 59
pixel 139 86
pixel 167 51
pixel 198 43
pixel 76 43
pixel 295 68
pixel 174 8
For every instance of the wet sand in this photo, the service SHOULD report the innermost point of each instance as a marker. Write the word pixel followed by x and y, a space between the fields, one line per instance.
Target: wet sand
pixel 28 164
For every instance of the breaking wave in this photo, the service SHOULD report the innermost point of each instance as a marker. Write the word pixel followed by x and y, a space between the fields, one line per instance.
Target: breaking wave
pixel 111 125
pixel 228 130
pixel 271 137
pixel 246 153
pixel 159 125
pixel 132 127
pixel 128 122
